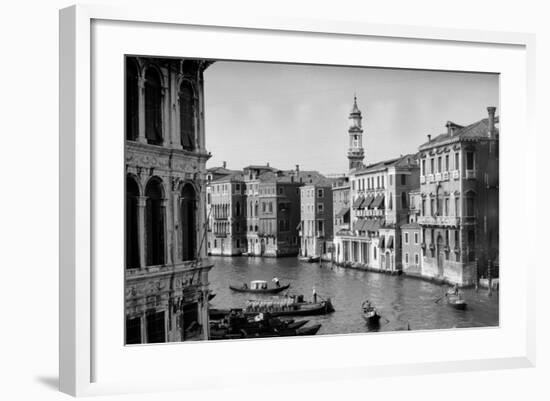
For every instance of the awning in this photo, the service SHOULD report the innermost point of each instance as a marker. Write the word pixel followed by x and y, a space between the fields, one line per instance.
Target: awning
pixel 390 242
pixel 381 242
pixel 357 203
pixel 371 225
pixel 367 201
pixel 358 225
pixel 378 202
pixel 299 226
pixel 342 212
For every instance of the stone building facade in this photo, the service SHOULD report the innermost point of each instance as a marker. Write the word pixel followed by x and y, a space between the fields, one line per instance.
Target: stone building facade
pixel 379 206
pixel 459 209
pixel 166 275
pixel 226 211
pixel 316 222
pixel 340 204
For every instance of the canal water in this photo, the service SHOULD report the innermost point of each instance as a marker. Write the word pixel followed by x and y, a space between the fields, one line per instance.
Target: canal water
pixel 401 301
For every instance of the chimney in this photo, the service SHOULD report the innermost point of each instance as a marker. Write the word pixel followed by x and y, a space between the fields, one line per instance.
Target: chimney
pixel 429 138
pixel 297 169
pixel 267 164
pixel 224 164
pixel 491 111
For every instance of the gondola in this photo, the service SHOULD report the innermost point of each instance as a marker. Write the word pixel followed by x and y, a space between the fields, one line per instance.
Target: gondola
pixel 456 301
pixel 370 313
pixel 259 287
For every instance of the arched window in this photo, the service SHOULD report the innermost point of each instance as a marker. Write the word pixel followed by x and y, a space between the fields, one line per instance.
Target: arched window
pixel 154 224
pixel 153 107
pixel 132 102
pixel 187 116
pixel 132 244
pixel 238 209
pixel 188 223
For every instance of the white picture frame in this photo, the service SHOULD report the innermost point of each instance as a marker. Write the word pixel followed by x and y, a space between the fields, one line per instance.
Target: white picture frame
pixel 88 365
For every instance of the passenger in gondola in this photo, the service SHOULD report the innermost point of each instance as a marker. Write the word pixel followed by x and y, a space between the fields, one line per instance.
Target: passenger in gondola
pixel 245 286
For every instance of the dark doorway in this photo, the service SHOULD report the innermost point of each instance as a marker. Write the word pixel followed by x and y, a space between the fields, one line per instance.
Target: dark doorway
pixel 190 314
pixel 132 245
pixel 188 223
pixel 155 327
pixel 187 116
pixel 132 100
pixel 153 107
pixel 154 222
pixel 133 331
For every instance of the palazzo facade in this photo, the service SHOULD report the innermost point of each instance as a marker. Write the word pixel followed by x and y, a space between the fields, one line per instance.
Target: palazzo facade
pixel 166 275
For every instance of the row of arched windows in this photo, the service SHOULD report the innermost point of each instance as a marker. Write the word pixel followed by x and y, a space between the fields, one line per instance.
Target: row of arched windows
pixel 153 105
pixel 146 224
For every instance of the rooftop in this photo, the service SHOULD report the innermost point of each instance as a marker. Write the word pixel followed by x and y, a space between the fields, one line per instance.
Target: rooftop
pixel 401 161
pixel 477 130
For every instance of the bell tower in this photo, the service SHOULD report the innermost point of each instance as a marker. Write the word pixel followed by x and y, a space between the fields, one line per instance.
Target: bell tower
pixel 356 153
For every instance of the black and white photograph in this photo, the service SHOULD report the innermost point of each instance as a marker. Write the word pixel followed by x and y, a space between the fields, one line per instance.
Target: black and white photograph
pixel 270 200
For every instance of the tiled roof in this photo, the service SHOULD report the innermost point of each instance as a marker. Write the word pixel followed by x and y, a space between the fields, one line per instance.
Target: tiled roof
pixel 401 161
pixel 411 225
pixel 477 130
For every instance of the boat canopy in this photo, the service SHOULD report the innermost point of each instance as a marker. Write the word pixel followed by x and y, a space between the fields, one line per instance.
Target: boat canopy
pixel 258 284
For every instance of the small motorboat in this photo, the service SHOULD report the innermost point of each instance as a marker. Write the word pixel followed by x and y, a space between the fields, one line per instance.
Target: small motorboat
pixel 259 287
pixel 370 314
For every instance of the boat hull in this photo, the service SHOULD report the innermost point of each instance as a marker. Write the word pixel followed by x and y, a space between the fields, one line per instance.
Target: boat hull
pixel 273 290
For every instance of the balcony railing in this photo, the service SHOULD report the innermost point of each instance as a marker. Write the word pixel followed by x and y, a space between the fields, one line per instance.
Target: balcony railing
pixel 439 220
pixel 470 174
pixel 456 174
pixel 422 179
pixel 445 175
pixel 438 176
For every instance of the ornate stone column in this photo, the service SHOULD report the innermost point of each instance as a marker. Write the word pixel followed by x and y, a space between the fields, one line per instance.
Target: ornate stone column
pixel 141 202
pixel 141 110
pixel 165 211
pixel 176 208
pixel 165 123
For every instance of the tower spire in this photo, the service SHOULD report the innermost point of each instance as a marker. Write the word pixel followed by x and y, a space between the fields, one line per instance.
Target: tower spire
pixel 356 153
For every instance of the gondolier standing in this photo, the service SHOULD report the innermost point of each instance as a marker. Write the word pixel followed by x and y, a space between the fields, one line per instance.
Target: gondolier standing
pixel 314 295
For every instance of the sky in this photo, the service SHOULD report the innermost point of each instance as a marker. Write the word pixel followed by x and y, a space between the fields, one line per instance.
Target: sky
pixel 288 114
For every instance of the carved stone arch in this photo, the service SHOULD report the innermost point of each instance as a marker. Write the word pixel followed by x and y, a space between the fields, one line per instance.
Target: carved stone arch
pixel 137 180
pixel 157 180
pixel 147 64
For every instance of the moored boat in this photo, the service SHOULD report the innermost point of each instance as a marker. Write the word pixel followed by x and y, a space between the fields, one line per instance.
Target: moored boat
pixel 309 259
pixel 289 306
pixel 237 325
pixel 259 287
